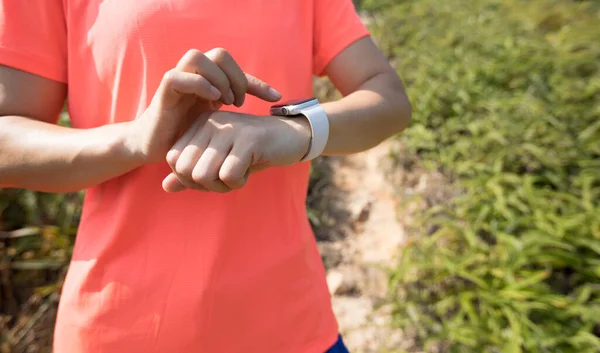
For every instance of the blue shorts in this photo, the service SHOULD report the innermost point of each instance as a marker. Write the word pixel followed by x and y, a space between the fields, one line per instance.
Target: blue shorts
pixel 338 347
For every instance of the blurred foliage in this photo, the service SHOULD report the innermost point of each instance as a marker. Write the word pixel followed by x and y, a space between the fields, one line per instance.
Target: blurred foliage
pixel 506 97
pixel 36 239
pixel 506 104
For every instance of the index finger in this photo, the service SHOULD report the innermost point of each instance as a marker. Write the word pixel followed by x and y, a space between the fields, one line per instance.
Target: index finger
pixel 261 89
pixel 242 83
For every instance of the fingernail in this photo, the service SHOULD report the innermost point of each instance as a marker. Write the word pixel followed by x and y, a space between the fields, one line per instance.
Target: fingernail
pixel 274 92
pixel 215 92
pixel 230 97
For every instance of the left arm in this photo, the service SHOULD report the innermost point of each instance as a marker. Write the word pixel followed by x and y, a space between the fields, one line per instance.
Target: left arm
pixel 220 150
pixel 375 106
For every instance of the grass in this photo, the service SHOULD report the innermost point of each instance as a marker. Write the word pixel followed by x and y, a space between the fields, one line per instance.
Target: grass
pixel 506 96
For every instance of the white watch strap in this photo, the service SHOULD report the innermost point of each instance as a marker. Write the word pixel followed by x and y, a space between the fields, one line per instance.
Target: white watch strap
pixel 319 125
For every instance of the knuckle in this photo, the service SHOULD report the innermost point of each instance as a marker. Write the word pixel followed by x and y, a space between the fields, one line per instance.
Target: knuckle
pixel 231 180
pixel 220 54
pixel 193 53
pixel 201 176
pixel 223 120
pixel 172 158
pixel 227 131
pixel 183 168
pixel 255 147
pixel 169 77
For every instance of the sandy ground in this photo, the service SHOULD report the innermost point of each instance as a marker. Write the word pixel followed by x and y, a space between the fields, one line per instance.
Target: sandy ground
pixel 369 240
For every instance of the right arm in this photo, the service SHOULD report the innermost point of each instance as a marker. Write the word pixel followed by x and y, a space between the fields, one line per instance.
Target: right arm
pixel 37 154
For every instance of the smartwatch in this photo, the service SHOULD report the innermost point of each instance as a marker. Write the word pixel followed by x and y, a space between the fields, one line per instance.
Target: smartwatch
pixel 317 118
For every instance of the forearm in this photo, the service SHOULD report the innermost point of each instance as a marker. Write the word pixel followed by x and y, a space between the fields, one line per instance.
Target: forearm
pixel 374 112
pixel 45 157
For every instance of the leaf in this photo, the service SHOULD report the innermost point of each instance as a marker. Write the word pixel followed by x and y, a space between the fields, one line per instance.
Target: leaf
pixel 585 292
pixel 35 265
pixel 513 344
pixel 478 281
pixel 589 132
pixel 530 280
pixel 466 302
pixel 585 339
pixel 20 233
pixel 592 244
pixel 517 294
pixel 47 290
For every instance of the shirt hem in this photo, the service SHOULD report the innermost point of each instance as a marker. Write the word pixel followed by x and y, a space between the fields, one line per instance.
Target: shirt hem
pixel 31 64
pixel 323 345
pixel 322 61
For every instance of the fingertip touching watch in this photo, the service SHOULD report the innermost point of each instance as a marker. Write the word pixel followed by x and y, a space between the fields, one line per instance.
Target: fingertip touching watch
pixel 317 118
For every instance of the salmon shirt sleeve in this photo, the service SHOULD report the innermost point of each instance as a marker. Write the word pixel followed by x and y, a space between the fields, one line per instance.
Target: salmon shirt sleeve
pixel 336 26
pixel 33 37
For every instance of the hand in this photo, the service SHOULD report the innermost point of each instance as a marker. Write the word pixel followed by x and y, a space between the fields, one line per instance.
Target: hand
pixel 199 83
pixel 221 149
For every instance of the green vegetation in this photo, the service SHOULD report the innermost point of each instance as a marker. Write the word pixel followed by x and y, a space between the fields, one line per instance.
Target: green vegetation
pixel 34 256
pixel 506 95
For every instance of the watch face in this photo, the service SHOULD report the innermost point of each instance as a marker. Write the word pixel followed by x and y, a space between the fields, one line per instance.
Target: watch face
pixel 293 102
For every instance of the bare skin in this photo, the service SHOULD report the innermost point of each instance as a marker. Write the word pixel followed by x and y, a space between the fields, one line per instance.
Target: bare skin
pixel 218 150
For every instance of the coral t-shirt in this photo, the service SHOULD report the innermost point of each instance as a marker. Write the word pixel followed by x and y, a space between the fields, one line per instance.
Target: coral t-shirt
pixel 191 271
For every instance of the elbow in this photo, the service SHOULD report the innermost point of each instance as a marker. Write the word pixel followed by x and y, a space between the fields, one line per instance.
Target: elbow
pixel 401 111
pixel 407 111
pixel 399 106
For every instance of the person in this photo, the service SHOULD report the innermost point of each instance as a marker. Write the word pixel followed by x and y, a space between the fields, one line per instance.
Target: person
pixel 194 235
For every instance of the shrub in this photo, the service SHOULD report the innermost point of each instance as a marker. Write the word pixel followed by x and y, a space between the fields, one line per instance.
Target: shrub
pixel 506 97
pixel 37 231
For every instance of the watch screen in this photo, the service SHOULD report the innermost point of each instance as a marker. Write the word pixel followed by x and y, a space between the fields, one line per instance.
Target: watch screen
pixel 293 102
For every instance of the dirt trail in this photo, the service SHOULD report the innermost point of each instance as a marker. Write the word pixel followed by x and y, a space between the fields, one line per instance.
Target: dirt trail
pixel 370 241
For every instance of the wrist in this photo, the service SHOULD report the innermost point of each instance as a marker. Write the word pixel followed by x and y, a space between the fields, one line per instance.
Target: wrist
pixel 316 118
pixel 301 128
pixel 128 145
